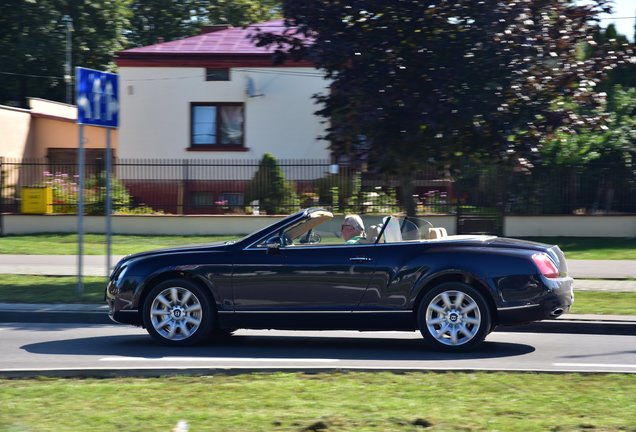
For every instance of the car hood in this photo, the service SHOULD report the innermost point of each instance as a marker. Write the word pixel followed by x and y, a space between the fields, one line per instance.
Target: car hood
pixel 207 247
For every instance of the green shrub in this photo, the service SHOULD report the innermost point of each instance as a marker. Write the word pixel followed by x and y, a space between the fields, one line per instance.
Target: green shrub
pixel 274 194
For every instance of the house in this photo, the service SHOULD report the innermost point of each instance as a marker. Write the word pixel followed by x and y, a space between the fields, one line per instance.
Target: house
pixel 45 138
pixel 215 96
pixel 48 130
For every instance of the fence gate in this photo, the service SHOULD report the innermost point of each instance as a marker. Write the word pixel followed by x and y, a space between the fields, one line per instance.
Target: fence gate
pixel 483 222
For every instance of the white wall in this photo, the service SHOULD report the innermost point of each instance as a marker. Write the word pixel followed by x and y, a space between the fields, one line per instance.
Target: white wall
pixel 155 112
pixel 515 226
pixel 14 131
pixel 570 226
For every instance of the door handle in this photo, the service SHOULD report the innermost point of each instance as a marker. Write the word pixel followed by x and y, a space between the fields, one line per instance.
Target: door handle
pixel 361 259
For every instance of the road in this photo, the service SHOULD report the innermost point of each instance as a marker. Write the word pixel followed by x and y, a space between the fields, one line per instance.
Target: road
pixel 104 350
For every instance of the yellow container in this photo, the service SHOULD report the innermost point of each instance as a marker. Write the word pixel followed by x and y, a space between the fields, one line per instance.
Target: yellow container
pixel 37 200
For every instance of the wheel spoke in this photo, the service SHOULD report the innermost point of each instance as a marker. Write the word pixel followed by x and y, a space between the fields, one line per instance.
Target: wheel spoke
pixel 162 323
pixel 193 308
pixel 446 300
pixel 184 329
pixel 194 321
pixel 186 297
pixel 164 301
pixel 159 312
pixel 437 308
pixel 471 320
pixel 469 307
pixel 459 299
pixel 453 335
pixel 466 331
pixel 442 331
pixel 171 331
pixel 174 295
pixel 435 321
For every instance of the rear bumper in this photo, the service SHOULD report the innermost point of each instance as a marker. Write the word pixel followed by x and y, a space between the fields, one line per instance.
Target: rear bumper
pixel 557 300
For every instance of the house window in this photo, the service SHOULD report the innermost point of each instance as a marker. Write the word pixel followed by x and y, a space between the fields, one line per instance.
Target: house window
pixel 231 199
pixel 217 74
pixel 217 125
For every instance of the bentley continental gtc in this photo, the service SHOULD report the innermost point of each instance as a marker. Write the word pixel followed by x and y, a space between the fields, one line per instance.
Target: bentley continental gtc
pixel 399 273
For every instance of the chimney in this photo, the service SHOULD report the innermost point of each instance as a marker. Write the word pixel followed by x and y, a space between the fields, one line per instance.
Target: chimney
pixel 214 28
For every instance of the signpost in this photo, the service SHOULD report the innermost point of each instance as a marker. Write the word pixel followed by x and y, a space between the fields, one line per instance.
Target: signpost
pixel 97 101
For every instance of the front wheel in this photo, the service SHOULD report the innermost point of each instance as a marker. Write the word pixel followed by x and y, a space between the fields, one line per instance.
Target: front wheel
pixel 454 317
pixel 178 313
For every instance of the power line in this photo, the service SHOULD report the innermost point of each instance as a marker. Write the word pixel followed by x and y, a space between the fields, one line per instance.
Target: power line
pixel 32 76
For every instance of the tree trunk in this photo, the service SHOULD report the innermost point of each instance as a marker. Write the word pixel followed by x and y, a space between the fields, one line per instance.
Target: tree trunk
pixel 406 188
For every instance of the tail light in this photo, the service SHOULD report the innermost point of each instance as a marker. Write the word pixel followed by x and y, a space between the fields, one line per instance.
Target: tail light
pixel 546 266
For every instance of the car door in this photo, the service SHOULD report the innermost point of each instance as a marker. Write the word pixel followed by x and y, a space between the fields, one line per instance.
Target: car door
pixel 302 278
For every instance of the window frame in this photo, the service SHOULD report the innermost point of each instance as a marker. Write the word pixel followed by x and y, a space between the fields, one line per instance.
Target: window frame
pixel 210 71
pixel 217 146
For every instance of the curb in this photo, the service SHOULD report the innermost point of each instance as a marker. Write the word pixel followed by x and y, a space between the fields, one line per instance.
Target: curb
pixel 98 314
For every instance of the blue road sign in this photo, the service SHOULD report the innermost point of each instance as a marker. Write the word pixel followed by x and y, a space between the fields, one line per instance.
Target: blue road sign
pixel 97 97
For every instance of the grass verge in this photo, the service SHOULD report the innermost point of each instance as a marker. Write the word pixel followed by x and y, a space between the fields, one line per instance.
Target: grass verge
pixel 360 401
pixel 50 289
pixel 95 244
pixel 62 289
pixel 593 248
pixel 66 244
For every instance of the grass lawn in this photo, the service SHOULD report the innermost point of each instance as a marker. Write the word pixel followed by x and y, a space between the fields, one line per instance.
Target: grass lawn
pixel 94 244
pixel 61 289
pixel 355 401
pixel 593 248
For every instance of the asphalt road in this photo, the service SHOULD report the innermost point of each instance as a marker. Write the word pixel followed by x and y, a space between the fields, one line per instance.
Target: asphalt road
pixel 30 349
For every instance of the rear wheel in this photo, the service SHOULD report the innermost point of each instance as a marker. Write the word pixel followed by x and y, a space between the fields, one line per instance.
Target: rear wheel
pixel 454 317
pixel 178 313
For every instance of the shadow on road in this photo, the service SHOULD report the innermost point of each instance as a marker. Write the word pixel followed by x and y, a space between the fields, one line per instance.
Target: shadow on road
pixel 273 347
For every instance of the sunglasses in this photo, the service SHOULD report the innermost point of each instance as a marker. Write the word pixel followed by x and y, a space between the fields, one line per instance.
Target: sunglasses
pixel 346 226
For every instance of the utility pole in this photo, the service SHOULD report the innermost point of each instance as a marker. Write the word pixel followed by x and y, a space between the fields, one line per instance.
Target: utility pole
pixel 68 77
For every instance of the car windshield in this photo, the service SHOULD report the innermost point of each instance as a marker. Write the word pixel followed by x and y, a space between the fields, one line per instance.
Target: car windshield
pixel 323 228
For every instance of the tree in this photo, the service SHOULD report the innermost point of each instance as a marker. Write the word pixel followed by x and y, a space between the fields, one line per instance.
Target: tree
pixel 437 82
pixel 274 194
pixel 165 20
pixel 33 35
pixel 33 43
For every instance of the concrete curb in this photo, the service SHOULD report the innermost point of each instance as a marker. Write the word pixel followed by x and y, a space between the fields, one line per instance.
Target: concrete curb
pixel 98 314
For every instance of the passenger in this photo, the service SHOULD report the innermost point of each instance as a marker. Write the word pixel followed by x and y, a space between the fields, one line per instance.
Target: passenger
pixel 353 229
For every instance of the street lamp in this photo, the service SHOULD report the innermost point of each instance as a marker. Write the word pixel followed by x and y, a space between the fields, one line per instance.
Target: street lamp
pixel 68 77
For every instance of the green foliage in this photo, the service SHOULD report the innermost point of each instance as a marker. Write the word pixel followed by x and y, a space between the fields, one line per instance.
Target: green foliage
pixel 274 194
pixel 96 194
pixel 66 195
pixel 33 35
pixel 414 84
pixel 33 43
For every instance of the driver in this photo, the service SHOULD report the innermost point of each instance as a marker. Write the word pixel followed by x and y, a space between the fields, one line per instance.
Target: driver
pixel 353 229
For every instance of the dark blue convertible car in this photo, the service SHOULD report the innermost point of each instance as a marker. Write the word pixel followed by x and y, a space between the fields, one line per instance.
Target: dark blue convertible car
pixel 401 274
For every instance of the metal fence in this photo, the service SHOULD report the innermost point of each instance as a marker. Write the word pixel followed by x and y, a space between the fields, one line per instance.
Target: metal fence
pixel 244 186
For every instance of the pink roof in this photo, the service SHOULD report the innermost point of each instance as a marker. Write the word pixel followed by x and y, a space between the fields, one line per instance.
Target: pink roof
pixel 233 40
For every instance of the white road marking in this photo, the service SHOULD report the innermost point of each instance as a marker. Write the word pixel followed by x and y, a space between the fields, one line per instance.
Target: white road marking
pixel 217 359
pixel 594 365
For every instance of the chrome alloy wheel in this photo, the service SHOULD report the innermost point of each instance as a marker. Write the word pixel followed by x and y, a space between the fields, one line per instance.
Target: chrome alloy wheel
pixel 453 318
pixel 176 313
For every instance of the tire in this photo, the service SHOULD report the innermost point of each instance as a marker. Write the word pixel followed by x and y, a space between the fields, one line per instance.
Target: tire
pixel 453 317
pixel 178 312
